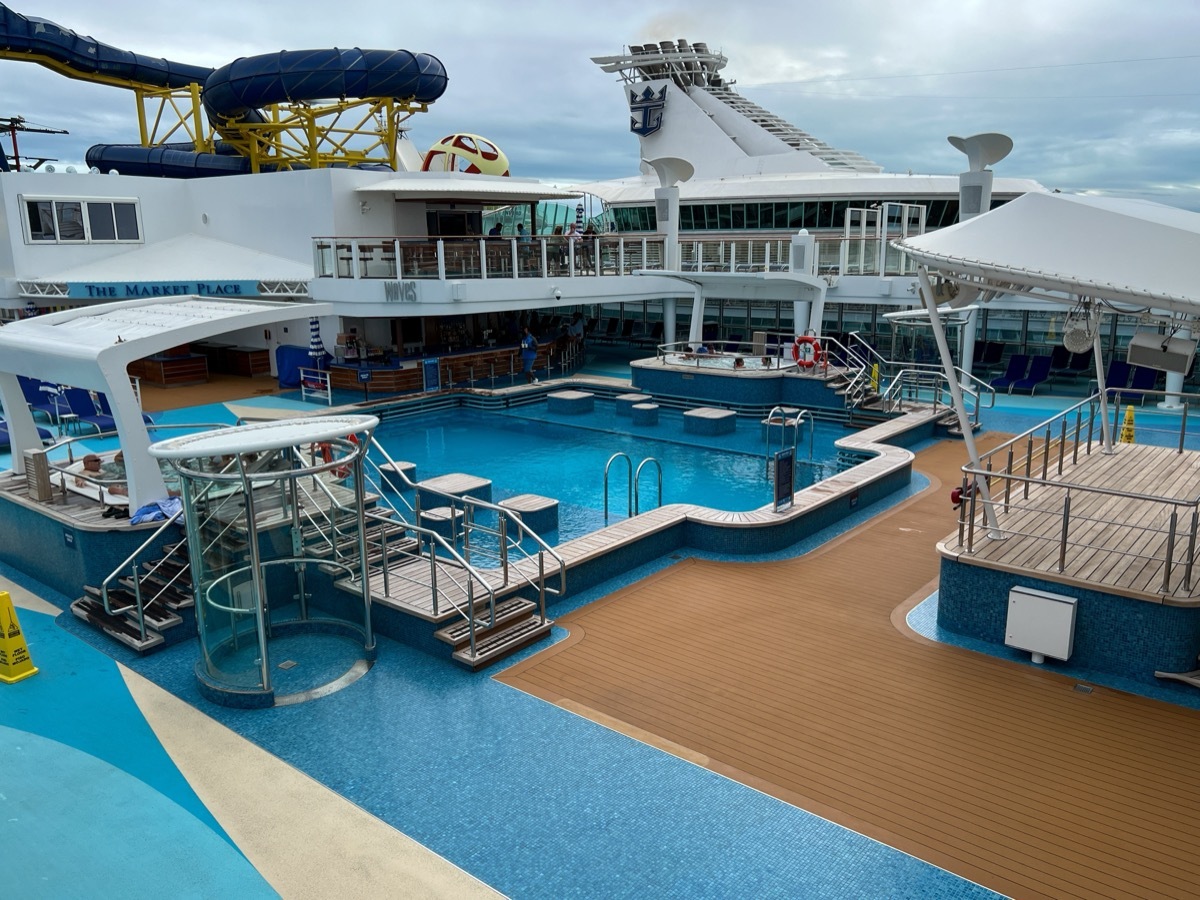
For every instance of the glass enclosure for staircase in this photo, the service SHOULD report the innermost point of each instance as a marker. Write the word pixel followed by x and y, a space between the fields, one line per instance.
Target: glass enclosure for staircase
pixel 275 539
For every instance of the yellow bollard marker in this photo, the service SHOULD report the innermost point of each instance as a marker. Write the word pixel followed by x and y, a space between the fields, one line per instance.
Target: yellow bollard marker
pixel 1127 427
pixel 15 663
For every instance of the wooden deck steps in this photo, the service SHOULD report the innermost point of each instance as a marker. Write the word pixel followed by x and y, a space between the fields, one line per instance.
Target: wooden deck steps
pixel 517 624
pixel 122 626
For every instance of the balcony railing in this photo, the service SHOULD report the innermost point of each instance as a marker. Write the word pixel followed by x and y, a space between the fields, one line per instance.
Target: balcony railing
pixel 485 258
pixel 555 256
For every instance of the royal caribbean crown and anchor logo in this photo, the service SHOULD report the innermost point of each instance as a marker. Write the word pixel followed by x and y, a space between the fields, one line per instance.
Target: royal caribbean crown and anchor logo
pixel 647 110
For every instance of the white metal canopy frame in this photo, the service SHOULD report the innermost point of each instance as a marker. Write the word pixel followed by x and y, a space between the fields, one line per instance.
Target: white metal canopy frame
pixel 92 347
pixel 1130 254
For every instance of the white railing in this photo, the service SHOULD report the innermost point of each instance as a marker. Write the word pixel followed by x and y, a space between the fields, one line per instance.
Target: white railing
pixel 479 258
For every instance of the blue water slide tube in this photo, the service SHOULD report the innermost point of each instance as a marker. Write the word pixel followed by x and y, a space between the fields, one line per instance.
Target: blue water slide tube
pixel 233 90
pixel 29 34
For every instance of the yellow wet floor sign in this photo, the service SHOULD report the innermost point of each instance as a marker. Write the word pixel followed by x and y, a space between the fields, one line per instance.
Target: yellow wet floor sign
pixel 1127 427
pixel 15 663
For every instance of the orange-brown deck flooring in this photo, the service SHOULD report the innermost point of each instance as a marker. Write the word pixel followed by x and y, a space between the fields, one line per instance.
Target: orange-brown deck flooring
pixel 799 678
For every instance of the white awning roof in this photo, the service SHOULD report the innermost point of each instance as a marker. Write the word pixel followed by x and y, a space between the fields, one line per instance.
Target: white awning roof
pixel 465 186
pixel 92 347
pixel 186 257
pixel 1124 251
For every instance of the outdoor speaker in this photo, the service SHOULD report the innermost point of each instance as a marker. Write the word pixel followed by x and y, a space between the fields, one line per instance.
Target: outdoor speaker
pixel 1156 351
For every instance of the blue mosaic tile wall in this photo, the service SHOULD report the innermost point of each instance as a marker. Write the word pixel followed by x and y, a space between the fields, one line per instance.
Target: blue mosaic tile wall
pixel 701 388
pixel 1117 635
pixel 772 538
pixel 64 556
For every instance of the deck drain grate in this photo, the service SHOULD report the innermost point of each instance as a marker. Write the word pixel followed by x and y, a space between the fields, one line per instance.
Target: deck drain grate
pixel 1083 688
pixel 288 664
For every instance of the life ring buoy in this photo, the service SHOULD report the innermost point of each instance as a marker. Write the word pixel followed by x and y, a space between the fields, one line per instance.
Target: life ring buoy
pixel 958 496
pixel 325 449
pixel 806 352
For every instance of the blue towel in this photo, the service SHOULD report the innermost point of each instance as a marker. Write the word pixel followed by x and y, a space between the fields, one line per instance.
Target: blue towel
pixel 156 511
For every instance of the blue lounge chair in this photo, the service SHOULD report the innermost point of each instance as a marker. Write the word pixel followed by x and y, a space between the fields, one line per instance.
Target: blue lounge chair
pixel 1081 364
pixel 1018 363
pixel 84 408
pixel 1143 379
pixel 1060 362
pixel 1039 373
pixel 1115 379
pixel 6 444
pixel 43 397
pixel 106 410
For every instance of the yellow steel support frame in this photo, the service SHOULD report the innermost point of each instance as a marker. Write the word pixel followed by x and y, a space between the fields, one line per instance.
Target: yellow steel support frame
pixel 294 135
pixel 300 135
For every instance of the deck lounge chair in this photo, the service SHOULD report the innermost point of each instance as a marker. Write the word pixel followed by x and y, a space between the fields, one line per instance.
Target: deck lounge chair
pixel 1039 373
pixel 1143 379
pixel 627 331
pixel 1115 379
pixel 1060 362
pixel 1081 364
pixel 43 397
pixel 6 444
pixel 654 338
pixel 106 410
pixel 993 352
pixel 84 408
pixel 609 332
pixel 1018 363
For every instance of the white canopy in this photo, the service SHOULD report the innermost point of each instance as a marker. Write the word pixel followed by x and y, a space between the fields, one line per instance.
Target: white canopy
pixel 464 186
pixel 1124 251
pixel 91 347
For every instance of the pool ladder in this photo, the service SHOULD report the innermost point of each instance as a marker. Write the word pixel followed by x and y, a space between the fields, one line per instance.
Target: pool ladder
pixel 635 478
pixel 782 421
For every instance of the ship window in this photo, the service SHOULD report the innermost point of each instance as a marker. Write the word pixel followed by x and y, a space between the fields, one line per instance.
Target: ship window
pixel 67 221
pixel 100 222
pixel 70 221
pixel 739 215
pixel 41 220
pixel 127 221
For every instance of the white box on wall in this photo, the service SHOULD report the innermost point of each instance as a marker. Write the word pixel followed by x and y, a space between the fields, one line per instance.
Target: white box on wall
pixel 1040 622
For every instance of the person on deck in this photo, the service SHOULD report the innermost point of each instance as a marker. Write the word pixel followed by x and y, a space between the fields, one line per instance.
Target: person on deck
pixel 528 355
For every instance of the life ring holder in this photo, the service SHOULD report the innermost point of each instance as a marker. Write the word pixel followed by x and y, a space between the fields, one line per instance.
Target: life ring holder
pixel 802 357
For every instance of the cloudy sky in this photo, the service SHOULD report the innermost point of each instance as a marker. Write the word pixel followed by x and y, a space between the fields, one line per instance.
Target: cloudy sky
pixel 1097 95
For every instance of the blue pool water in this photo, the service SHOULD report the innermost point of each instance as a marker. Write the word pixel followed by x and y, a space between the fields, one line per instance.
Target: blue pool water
pixel 530 450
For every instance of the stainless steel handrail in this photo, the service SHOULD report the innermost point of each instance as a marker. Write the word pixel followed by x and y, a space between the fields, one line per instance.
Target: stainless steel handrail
pixel 629 484
pixel 637 478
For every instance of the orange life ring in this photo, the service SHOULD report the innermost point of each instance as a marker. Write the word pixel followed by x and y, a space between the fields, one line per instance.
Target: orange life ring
pixel 326 450
pixel 806 352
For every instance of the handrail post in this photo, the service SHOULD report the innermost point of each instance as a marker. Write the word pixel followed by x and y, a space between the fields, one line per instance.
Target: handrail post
pixel 137 593
pixel 1062 444
pixel 971 518
pixel 1066 524
pixel 504 547
pixel 1008 469
pixel 962 511
pixel 1191 554
pixel 1028 465
pixel 1046 454
pixel 1166 585
pixel 385 560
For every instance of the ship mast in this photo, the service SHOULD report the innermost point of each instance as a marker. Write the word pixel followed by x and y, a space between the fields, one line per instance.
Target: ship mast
pixel 12 125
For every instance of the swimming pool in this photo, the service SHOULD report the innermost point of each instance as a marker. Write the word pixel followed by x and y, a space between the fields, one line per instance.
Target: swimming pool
pixel 530 450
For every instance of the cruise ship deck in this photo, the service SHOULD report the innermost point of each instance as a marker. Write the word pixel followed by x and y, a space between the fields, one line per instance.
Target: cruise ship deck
pixel 807 677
